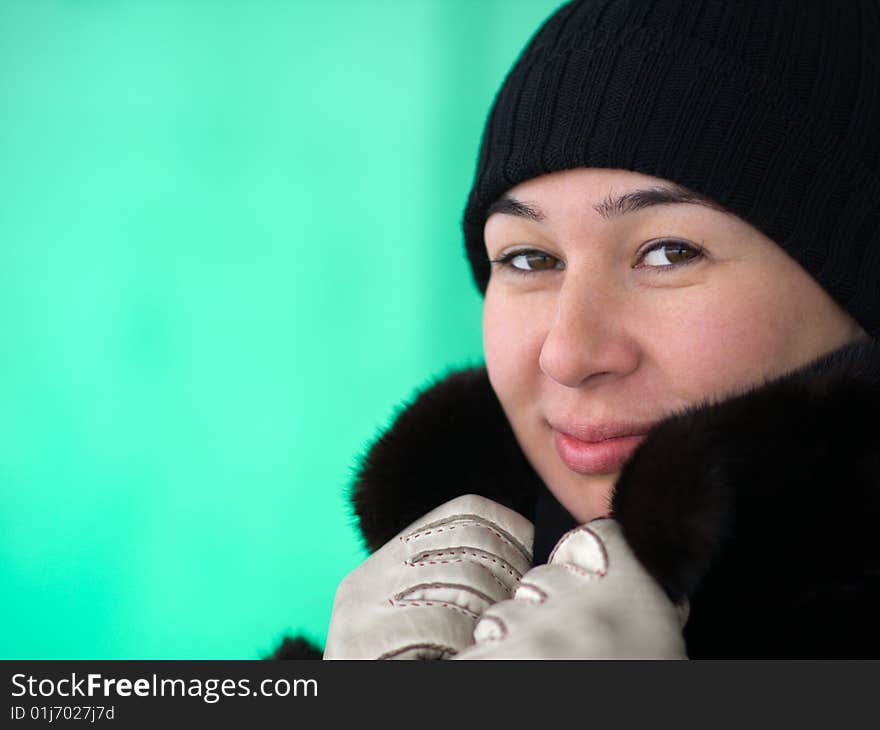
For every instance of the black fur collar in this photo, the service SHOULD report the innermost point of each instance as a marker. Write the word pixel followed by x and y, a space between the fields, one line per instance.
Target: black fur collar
pixel 762 509
pixel 452 439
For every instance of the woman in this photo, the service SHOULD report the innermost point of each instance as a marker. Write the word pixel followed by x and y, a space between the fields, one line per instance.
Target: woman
pixel 675 444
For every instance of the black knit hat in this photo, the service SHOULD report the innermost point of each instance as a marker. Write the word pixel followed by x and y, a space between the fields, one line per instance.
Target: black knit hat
pixel 770 108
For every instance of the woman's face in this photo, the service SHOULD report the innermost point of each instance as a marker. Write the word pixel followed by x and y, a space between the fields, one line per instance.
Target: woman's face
pixel 602 318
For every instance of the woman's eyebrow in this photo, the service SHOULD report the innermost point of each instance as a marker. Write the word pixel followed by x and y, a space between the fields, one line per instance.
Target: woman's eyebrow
pixel 634 200
pixel 511 206
pixel 613 205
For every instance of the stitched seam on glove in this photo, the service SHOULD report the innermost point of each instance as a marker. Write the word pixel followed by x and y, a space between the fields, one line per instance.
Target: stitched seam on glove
pixel 524 588
pixel 599 543
pixel 411 602
pixel 460 560
pixel 581 572
pixel 483 637
pixel 445 651
pixel 457 586
pixel 469 520
pixel 423 558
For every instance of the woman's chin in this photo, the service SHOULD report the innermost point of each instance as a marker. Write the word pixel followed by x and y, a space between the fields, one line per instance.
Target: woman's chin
pixel 586 497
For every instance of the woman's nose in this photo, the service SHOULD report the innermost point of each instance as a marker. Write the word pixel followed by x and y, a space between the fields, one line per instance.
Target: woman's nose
pixel 587 337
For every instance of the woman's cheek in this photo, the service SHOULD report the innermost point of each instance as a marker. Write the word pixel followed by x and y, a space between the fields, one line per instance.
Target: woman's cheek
pixel 724 342
pixel 512 337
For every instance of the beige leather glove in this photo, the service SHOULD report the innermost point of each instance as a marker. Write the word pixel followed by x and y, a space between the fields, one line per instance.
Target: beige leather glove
pixel 420 595
pixel 593 600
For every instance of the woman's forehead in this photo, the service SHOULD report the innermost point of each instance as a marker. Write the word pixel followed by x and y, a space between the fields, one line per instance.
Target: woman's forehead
pixel 598 183
pixel 608 194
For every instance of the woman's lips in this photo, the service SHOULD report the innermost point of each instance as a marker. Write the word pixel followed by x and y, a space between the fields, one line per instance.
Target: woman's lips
pixel 596 457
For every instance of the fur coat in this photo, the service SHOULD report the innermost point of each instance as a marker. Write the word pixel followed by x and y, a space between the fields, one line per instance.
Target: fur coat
pixel 763 509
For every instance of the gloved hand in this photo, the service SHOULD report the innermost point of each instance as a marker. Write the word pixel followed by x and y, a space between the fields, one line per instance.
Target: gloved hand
pixel 593 600
pixel 420 595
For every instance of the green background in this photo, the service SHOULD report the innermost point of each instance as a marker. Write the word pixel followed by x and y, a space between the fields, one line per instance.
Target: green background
pixel 230 248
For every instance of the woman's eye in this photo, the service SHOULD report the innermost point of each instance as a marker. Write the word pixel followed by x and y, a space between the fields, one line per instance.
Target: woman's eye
pixel 529 261
pixel 667 254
